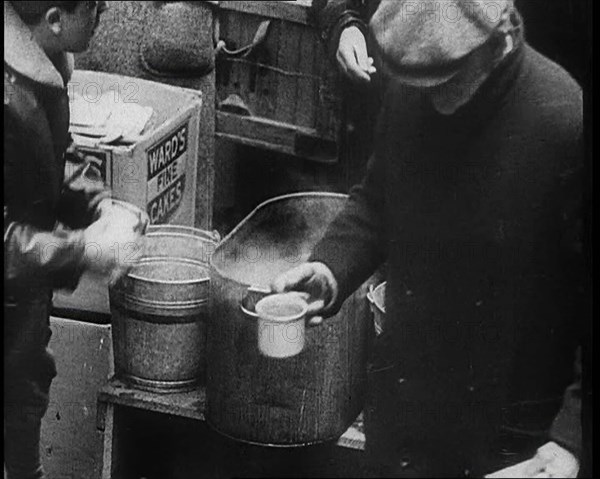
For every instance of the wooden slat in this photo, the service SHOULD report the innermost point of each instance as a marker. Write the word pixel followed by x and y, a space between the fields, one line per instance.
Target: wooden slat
pixel 256 129
pixel 307 88
pixel 190 404
pixel 263 98
pixel 112 461
pixel 256 143
pixel 291 11
pixel 275 136
pixel 287 60
pixel 236 30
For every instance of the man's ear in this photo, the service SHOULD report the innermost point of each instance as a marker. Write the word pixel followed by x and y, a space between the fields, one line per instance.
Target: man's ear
pixel 53 20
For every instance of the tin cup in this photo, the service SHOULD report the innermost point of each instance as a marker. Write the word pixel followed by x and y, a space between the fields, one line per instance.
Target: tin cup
pixel 281 328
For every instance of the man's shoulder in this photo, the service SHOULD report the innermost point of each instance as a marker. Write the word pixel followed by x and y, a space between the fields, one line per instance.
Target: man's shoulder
pixel 546 102
pixel 551 89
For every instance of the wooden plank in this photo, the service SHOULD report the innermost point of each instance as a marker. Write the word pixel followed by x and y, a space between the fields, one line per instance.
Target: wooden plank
pixel 275 136
pixel 101 410
pixel 236 29
pixel 291 11
pixel 190 404
pixel 226 120
pixel 260 129
pixel 112 461
pixel 116 395
pixel 245 29
pixel 287 60
pixel 255 143
pixel 306 104
pixel 107 454
pixel 244 79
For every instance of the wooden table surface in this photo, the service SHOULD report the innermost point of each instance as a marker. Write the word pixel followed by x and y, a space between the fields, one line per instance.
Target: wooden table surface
pixel 190 405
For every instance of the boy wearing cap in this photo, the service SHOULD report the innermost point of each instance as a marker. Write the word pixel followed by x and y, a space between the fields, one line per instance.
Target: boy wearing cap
pixel 39 38
pixel 473 198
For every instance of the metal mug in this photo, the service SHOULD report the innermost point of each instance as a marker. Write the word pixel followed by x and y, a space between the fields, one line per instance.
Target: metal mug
pixel 281 324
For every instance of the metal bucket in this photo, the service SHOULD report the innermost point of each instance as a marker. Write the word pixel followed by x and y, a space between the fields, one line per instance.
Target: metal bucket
pixel 376 297
pixel 159 311
pixel 311 397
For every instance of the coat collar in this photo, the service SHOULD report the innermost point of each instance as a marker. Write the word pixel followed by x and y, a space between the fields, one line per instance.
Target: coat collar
pixel 24 55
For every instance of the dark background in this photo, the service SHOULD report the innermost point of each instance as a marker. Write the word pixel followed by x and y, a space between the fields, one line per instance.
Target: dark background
pixel 561 30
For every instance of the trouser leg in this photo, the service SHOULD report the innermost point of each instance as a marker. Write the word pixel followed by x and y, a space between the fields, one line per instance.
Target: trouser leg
pixel 28 372
pixel 21 448
pixel 26 402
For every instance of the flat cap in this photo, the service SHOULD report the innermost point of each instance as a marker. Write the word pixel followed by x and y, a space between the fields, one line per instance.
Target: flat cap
pixel 425 42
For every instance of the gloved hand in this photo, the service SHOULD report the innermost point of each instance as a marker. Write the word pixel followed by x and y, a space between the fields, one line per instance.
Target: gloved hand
pixel 114 242
pixel 314 279
pixel 552 460
pixel 352 55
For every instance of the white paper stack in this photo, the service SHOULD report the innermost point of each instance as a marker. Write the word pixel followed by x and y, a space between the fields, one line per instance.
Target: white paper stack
pixel 106 120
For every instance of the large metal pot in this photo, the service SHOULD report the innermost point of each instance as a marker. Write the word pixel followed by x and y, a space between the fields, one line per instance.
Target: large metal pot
pixel 305 399
pixel 159 311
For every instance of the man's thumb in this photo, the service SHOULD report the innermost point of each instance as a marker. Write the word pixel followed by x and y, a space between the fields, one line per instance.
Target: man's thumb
pixel 291 279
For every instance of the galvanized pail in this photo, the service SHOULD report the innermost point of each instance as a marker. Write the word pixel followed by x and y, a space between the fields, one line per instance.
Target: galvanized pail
pixel 159 311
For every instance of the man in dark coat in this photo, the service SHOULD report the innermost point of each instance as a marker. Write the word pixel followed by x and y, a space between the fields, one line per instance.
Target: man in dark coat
pixel 38 256
pixel 473 198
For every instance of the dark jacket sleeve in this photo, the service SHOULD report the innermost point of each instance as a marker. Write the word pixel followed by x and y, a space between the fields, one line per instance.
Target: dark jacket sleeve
pixel 83 189
pixel 39 258
pixel 331 17
pixel 34 257
pixel 355 243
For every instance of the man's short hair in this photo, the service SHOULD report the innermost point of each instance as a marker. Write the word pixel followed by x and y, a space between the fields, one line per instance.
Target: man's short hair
pixel 32 12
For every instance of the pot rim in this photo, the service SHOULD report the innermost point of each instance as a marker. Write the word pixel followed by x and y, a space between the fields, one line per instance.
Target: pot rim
pixel 152 259
pixel 283 319
pixel 276 199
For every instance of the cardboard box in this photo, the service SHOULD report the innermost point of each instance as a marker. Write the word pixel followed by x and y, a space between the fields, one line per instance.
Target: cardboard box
pixel 158 172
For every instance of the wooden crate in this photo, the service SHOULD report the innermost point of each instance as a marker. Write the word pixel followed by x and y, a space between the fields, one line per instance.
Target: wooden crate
pixel 286 83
